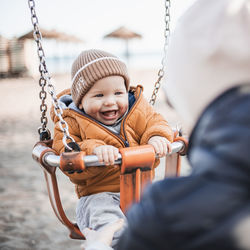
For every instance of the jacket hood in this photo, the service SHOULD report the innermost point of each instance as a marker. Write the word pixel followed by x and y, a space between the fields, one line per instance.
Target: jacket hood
pixel 208 54
pixel 65 101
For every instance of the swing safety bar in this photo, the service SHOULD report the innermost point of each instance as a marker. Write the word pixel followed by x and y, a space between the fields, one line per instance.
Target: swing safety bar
pixel 136 164
pixel 53 160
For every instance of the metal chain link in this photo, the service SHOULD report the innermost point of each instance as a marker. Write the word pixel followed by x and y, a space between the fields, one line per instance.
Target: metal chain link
pixel 161 72
pixel 45 79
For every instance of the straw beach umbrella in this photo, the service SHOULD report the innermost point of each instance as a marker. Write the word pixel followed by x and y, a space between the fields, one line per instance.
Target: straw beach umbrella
pixel 59 44
pixel 52 34
pixel 124 34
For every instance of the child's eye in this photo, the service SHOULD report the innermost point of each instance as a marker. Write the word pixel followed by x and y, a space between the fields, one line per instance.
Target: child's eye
pixel 99 95
pixel 118 93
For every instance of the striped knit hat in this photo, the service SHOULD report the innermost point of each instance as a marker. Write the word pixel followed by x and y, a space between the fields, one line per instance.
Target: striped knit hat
pixel 91 66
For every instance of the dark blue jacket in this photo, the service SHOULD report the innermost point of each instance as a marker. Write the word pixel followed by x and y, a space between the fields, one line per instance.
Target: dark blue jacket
pixel 208 209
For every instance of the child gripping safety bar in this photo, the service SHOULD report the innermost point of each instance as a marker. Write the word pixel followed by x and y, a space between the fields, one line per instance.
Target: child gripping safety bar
pixel 78 161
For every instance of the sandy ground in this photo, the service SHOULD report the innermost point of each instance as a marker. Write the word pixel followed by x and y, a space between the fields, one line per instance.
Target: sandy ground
pixel 26 218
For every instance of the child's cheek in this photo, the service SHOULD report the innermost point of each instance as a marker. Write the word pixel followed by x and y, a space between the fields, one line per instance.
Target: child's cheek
pixel 124 108
pixel 92 110
pixel 95 109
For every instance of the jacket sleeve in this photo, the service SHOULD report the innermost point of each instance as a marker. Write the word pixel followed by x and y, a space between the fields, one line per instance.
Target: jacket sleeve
pixel 166 216
pixel 188 213
pixel 155 124
pixel 87 145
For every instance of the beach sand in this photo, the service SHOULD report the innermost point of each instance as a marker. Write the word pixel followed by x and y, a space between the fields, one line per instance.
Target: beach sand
pixel 27 220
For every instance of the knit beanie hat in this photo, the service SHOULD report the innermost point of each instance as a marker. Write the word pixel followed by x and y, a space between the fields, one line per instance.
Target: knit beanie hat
pixel 91 66
pixel 209 52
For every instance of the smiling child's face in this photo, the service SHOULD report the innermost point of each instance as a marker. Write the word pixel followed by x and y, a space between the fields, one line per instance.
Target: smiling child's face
pixel 107 100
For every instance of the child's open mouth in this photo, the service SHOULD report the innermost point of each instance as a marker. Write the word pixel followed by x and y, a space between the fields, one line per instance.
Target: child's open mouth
pixel 109 115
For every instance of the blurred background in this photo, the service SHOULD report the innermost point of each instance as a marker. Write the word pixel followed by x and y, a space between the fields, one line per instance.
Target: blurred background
pixel 132 30
pixel 79 25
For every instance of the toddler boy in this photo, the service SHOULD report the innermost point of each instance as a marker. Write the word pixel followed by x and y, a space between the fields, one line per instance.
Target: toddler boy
pixel 104 114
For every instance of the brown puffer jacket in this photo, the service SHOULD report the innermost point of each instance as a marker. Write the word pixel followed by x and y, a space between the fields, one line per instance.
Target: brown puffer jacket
pixel 140 123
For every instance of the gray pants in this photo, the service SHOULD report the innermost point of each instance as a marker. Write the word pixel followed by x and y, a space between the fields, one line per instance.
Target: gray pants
pixel 97 210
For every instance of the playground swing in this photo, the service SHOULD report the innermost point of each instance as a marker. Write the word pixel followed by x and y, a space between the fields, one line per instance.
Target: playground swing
pixel 136 162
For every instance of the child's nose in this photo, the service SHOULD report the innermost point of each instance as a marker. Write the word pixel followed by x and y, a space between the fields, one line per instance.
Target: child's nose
pixel 110 100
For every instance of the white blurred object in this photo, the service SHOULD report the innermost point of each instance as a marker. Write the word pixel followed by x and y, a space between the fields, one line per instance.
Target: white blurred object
pixel 209 52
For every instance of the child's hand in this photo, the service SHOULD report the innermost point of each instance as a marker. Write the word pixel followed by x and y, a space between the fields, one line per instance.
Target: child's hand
pixel 107 154
pixel 161 145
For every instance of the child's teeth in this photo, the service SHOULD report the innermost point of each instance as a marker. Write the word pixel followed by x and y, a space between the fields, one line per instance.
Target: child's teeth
pixel 109 113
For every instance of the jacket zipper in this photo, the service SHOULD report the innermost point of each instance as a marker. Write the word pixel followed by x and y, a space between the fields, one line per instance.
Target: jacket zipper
pixel 126 143
pixel 120 139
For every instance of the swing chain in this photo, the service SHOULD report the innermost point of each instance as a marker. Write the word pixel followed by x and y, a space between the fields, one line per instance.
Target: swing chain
pixel 43 106
pixel 44 79
pixel 161 72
